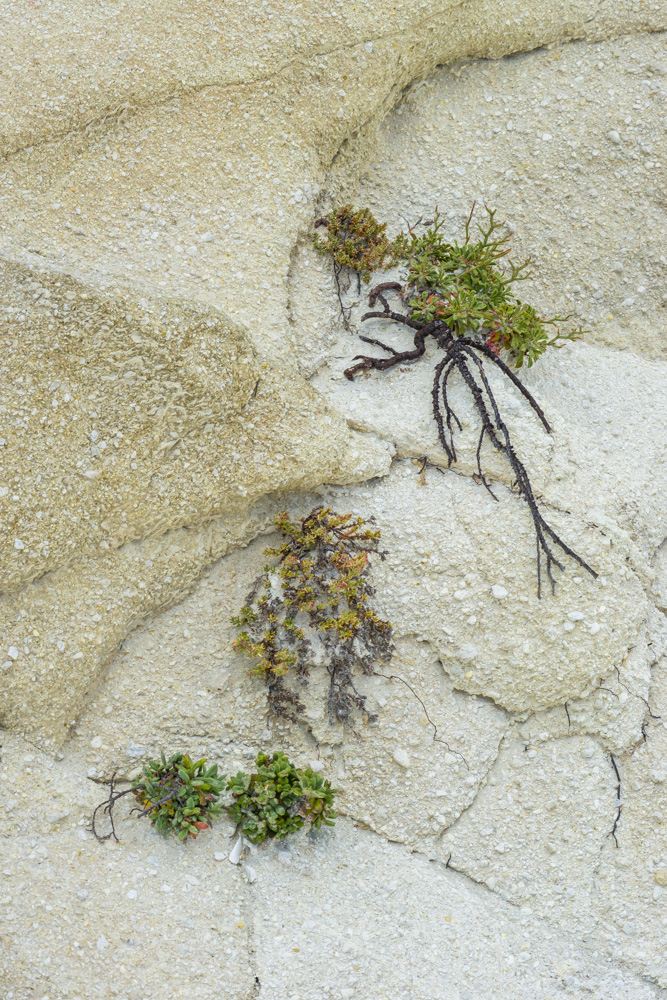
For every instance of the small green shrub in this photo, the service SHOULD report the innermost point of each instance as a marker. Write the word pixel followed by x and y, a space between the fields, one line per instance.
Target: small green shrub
pixel 461 295
pixel 464 286
pixel 316 595
pixel 279 798
pixel 179 795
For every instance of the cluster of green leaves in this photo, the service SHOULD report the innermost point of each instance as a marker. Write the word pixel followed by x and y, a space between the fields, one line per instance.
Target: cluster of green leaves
pixel 279 798
pixel 463 285
pixel 356 240
pixel 319 586
pixel 179 795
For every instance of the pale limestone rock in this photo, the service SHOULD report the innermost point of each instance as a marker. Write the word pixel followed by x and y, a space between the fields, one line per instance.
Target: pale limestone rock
pixel 76 64
pixel 616 710
pixel 370 917
pixel 395 777
pixel 536 829
pixel 196 122
pixel 631 903
pixel 106 898
pixel 528 136
pixel 128 421
pixel 607 409
pixel 448 543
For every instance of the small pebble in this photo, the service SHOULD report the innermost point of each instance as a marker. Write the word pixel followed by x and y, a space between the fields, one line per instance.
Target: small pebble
pixel 401 757
pixel 251 873
pixel 236 852
pixel 498 591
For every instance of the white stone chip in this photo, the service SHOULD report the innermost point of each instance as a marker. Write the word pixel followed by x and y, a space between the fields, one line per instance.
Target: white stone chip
pixel 236 852
pixel 401 757
pixel 498 591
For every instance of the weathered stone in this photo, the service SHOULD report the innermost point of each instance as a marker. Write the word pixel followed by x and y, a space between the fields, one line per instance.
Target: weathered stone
pixel 449 543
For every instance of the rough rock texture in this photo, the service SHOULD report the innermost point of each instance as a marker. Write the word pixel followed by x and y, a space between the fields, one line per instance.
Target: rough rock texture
pixel 161 314
pixel 110 906
pixel 155 418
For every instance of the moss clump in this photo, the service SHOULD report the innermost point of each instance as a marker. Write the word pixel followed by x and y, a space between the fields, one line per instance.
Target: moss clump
pixel 278 799
pixel 313 604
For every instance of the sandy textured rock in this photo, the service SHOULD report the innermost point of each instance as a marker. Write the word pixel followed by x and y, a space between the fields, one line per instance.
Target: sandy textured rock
pixel 71 66
pixel 395 777
pixel 368 918
pixel 537 828
pixel 631 903
pixel 161 168
pixel 617 710
pixel 608 411
pixel 209 188
pixel 449 544
pixel 83 919
pixel 194 181
pixel 568 145
pixel 124 421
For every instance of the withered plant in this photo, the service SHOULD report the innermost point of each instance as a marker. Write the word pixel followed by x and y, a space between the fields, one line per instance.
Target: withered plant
pixel 312 606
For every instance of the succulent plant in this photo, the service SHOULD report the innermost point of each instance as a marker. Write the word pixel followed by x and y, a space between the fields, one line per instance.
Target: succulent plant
pixel 179 795
pixel 279 798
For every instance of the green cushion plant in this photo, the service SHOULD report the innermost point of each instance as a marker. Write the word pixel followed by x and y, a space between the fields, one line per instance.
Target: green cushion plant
pixel 278 799
pixel 179 795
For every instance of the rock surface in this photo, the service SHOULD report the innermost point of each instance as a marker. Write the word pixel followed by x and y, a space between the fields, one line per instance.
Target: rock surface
pixel 172 377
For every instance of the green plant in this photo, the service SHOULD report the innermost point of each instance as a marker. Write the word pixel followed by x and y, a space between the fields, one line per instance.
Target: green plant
pixel 356 240
pixel 313 604
pixel 463 286
pixel 278 799
pixel 179 795
pixel 461 295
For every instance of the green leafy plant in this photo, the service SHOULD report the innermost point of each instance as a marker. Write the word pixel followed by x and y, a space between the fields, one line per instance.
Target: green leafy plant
pixel 278 799
pixel 462 295
pixel 179 795
pixel 464 286
pixel 313 604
